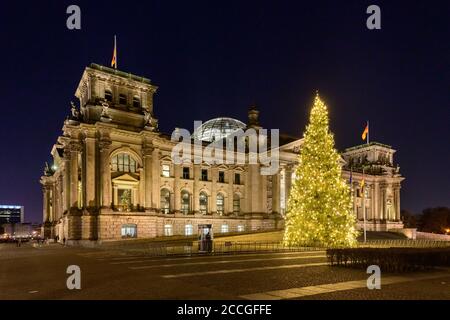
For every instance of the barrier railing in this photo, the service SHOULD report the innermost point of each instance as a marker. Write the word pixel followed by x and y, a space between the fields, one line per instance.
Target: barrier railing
pixel 235 247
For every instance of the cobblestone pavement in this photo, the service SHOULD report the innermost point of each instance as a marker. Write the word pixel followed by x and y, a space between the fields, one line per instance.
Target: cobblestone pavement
pixel 32 272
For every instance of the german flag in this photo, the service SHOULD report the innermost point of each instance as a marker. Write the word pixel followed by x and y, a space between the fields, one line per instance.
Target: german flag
pixel 114 58
pixel 365 133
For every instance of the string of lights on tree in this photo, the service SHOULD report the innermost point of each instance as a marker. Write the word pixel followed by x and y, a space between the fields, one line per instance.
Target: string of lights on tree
pixel 320 202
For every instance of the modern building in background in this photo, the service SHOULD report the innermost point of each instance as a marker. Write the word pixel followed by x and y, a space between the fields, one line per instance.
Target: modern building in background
pixel 113 176
pixel 11 214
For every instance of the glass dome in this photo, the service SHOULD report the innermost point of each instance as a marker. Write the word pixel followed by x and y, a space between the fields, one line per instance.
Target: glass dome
pixel 217 129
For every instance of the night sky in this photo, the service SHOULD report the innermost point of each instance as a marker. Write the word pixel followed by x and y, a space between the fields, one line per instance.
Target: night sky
pixel 215 58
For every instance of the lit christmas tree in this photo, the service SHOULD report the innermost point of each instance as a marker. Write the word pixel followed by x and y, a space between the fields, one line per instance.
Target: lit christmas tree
pixel 320 204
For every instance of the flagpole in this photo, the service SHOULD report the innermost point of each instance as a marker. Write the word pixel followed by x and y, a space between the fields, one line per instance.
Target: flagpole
pixel 115 49
pixel 368 133
pixel 364 207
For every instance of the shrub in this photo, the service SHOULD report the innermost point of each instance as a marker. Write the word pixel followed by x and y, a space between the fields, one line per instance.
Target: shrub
pixel 390 259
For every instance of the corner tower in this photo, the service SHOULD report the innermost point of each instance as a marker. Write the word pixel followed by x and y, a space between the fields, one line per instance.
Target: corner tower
pixel 111 95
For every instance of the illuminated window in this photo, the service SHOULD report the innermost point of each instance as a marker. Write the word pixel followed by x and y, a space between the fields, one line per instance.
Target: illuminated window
pixel 165 201
pixel 123 162
pixel 136 102
pixel 185 202
pixel 236 204
pixel 203 201
pixel 166 170
pixel 168 230
pixel 108 96
pixel 188 230
pixel 220 203
pixel 240 228
pixel 125 197
pixel 224 228
pixel 122 99
pixel 129 231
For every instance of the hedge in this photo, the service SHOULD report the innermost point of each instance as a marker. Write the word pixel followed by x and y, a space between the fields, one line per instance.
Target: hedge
pixel 390 259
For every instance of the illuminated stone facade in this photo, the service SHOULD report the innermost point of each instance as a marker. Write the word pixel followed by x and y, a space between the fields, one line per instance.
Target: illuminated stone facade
pixel 113 176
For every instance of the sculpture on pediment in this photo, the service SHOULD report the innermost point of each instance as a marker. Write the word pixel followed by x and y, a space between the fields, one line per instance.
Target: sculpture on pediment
pixel 105 117
pixel 75 114
pixel 48 171
pixel 150 123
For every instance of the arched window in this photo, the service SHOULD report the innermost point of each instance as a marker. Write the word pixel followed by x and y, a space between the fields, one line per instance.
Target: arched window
pixel 123 162
pixel 203 201
pixel 220 203
pixel 165 201
pixel 136 102
pixel 122 99
pixel 236 204
pixel 108 96
pixel 185 202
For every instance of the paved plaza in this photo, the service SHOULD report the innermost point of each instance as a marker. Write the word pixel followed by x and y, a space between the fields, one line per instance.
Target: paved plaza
pixel 39 272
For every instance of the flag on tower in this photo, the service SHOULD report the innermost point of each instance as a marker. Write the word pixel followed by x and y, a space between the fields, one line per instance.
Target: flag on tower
pixel 365 133
pixel 114 58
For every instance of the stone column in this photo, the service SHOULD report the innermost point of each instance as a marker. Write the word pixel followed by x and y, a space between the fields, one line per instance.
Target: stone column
pixel 66 181
pixel 46 207
pixel 148 168
pixel 105 174
pixel 397 202
pixel 75 149
pixel 276 193
pixel 263 193
pixel 288 182
pixel 230 191
pixel 383 202
pixel 376 201
pixel 141 188
pixel 156 175
pixel 214 178
pixel 90 159
pixel 355 200
pixel 177 192
pixel 55 202
pixel 197 180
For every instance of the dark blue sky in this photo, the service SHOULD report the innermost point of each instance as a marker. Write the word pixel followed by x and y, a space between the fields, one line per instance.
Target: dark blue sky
pixel 213 58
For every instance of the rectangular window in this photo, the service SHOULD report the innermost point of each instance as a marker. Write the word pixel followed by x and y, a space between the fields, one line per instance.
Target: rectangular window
pixel 185 173
pixel 224 228
pixel 237 178
pixel 240 228
pixel 129 231
pixel 188 230
pixel 221 177
pixel 204 175
pixel 168 230
pixel 166 170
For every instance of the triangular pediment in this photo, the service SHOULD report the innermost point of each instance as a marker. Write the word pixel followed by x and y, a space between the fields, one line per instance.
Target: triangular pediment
pixel 125 177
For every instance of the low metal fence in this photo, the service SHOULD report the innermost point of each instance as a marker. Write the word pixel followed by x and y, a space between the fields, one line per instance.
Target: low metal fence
pixel 407 243
pixel 224 247
pixel 235 247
